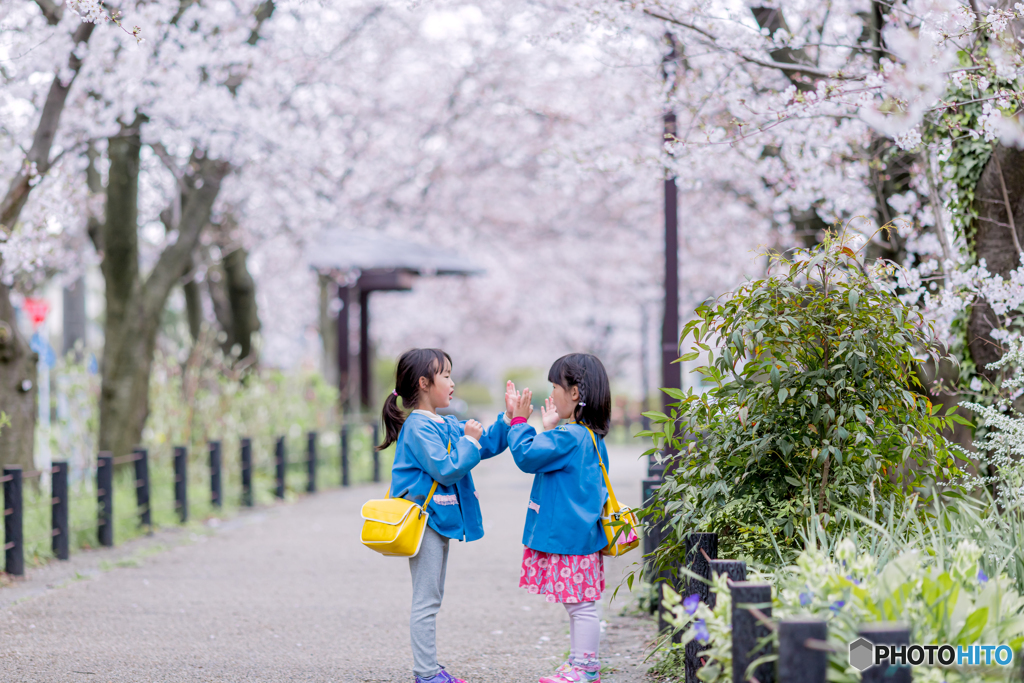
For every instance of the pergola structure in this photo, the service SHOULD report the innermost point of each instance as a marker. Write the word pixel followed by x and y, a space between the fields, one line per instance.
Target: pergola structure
pixel 356 264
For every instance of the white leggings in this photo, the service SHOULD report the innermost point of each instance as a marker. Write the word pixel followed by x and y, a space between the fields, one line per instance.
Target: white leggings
pixel 584 630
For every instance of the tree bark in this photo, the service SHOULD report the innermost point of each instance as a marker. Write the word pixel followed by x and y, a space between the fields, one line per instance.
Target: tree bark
pixel 993 241
pixel 134 306
pixel 17 361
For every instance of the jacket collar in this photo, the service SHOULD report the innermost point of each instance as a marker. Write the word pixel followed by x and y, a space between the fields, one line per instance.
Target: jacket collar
pixel 429 415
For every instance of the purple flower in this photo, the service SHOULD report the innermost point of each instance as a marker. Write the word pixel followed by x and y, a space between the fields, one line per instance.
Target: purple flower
pixel 854 581
pixel 691 602
pixel 982 576
pixel 701 631
pixel 805 599
pixel 837 605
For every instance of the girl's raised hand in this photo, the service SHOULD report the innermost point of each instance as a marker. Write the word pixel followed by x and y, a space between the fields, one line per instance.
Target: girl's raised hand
pixel 548 414
pixel 474 429
pixel 523 407
pixel 511 398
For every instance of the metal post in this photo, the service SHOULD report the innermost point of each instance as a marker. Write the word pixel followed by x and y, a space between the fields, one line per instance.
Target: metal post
pixel 105 498
pixel 344 455
pixel 181 482
pixel 800 661
pixel 364 350
pixel 247 472
pixel 376 454
pixel 886 633
pixel 344 359
pixel 699 547
pixel 279 467
pixel 215 488
pixel 311 462
pixel 142 487
pixel 14 550
pixel 748 631
pixel 59 509
pixel 653 534
pixel 736 570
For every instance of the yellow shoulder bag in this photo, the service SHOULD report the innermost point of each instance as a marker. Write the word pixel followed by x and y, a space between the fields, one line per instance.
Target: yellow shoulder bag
pixel 619 522
pixel 395 526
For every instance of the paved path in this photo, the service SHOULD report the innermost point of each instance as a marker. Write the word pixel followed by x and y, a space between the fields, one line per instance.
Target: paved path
pixel 287 593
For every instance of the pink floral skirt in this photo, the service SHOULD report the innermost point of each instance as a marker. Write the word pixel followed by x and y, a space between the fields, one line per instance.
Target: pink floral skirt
pixel 563 578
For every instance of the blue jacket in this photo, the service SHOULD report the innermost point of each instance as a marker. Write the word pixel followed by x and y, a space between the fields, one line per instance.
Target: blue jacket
pixel 422 457
pixel 564 514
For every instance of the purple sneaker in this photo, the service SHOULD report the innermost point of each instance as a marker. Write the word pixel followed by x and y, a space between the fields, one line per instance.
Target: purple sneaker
pixel 442 676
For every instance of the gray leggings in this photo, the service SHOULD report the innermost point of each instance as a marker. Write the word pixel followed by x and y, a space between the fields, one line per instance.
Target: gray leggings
pixel 428 569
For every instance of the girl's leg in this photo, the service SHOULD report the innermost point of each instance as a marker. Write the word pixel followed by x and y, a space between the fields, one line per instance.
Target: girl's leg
pixel 428 572
pixel 585 629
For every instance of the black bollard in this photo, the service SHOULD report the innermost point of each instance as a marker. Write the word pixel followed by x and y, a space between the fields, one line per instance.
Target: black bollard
pixel 279 465
pixel 344 455
pixel 14 549
pixel 311 462
pixel 59 510
pixel 215 470
pixel 748 630
pixel 701 548
pixel 736 570
pixel 181 482
pixel 142 487
pixel 885 633
pixel 247 472
pixel 803 653
pixel 376 454
pixel 105 498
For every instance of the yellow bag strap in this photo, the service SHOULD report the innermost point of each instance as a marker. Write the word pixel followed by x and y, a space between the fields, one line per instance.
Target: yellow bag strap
pixel 607 481
pixel 434 487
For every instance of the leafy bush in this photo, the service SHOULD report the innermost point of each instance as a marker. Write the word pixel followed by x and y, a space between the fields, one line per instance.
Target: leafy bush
pixel 941 585
pixel 812 404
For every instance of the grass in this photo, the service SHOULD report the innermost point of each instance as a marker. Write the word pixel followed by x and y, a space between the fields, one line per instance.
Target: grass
pixel 82 514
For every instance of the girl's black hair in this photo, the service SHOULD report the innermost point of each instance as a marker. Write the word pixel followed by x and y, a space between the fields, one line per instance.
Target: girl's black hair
pixel 585 372
pixel 412 365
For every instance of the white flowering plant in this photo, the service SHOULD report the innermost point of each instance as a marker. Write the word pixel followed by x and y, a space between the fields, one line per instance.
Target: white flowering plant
pixel 943 592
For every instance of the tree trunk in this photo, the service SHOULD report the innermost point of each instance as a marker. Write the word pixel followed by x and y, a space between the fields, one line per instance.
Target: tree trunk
pixel 17 361
pixel 134 307
pixel 17 389
pixel 1001 183
pixel 241 290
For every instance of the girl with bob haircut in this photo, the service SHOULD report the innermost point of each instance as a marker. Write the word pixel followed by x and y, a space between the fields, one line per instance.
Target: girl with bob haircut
pixel 563 537
pixel 431 448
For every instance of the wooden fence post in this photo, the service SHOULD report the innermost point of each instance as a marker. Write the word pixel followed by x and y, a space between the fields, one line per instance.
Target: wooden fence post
pixel 247 472
pixel 61 543
pixel 736 570
pixel 215 470
pixel 803 651
pixel 748 630
pixel 886 633
pixel 181 482
pixel 142 488
pixel 105 498
pixel 311 462
pixel 701 548
pixel 279 466
pixel 14 548
pixel 376 454
pixel 344 455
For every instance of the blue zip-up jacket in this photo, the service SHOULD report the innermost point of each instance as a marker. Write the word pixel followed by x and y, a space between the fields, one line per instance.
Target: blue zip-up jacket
pixel 422 457
pixel 564 514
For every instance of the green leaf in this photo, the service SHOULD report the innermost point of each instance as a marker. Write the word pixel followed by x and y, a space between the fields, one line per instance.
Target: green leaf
pixel 973 627
pixel 794 481
pixel 687 357
pixel 854 297
pixel 775 379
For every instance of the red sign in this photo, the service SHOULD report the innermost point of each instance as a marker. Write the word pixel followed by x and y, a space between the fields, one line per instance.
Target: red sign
pixel 37 310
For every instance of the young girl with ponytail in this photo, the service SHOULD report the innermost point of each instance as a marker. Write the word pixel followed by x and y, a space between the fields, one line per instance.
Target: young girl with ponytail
pixel 563 535
pixel 431 448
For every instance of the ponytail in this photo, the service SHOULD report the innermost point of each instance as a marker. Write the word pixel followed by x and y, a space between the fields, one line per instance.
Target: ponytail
pixel 412 365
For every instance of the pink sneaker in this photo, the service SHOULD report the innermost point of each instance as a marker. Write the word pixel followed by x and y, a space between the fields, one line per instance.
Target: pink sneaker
pixel 575 674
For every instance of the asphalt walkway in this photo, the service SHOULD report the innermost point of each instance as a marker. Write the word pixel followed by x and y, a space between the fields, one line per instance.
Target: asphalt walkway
pixel 287 593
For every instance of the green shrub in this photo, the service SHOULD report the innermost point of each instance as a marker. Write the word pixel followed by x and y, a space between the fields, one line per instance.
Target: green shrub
pixel 812 404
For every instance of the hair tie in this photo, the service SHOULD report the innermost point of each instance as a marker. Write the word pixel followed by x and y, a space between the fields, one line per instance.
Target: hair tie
pixel 582 404
pixel 394 393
